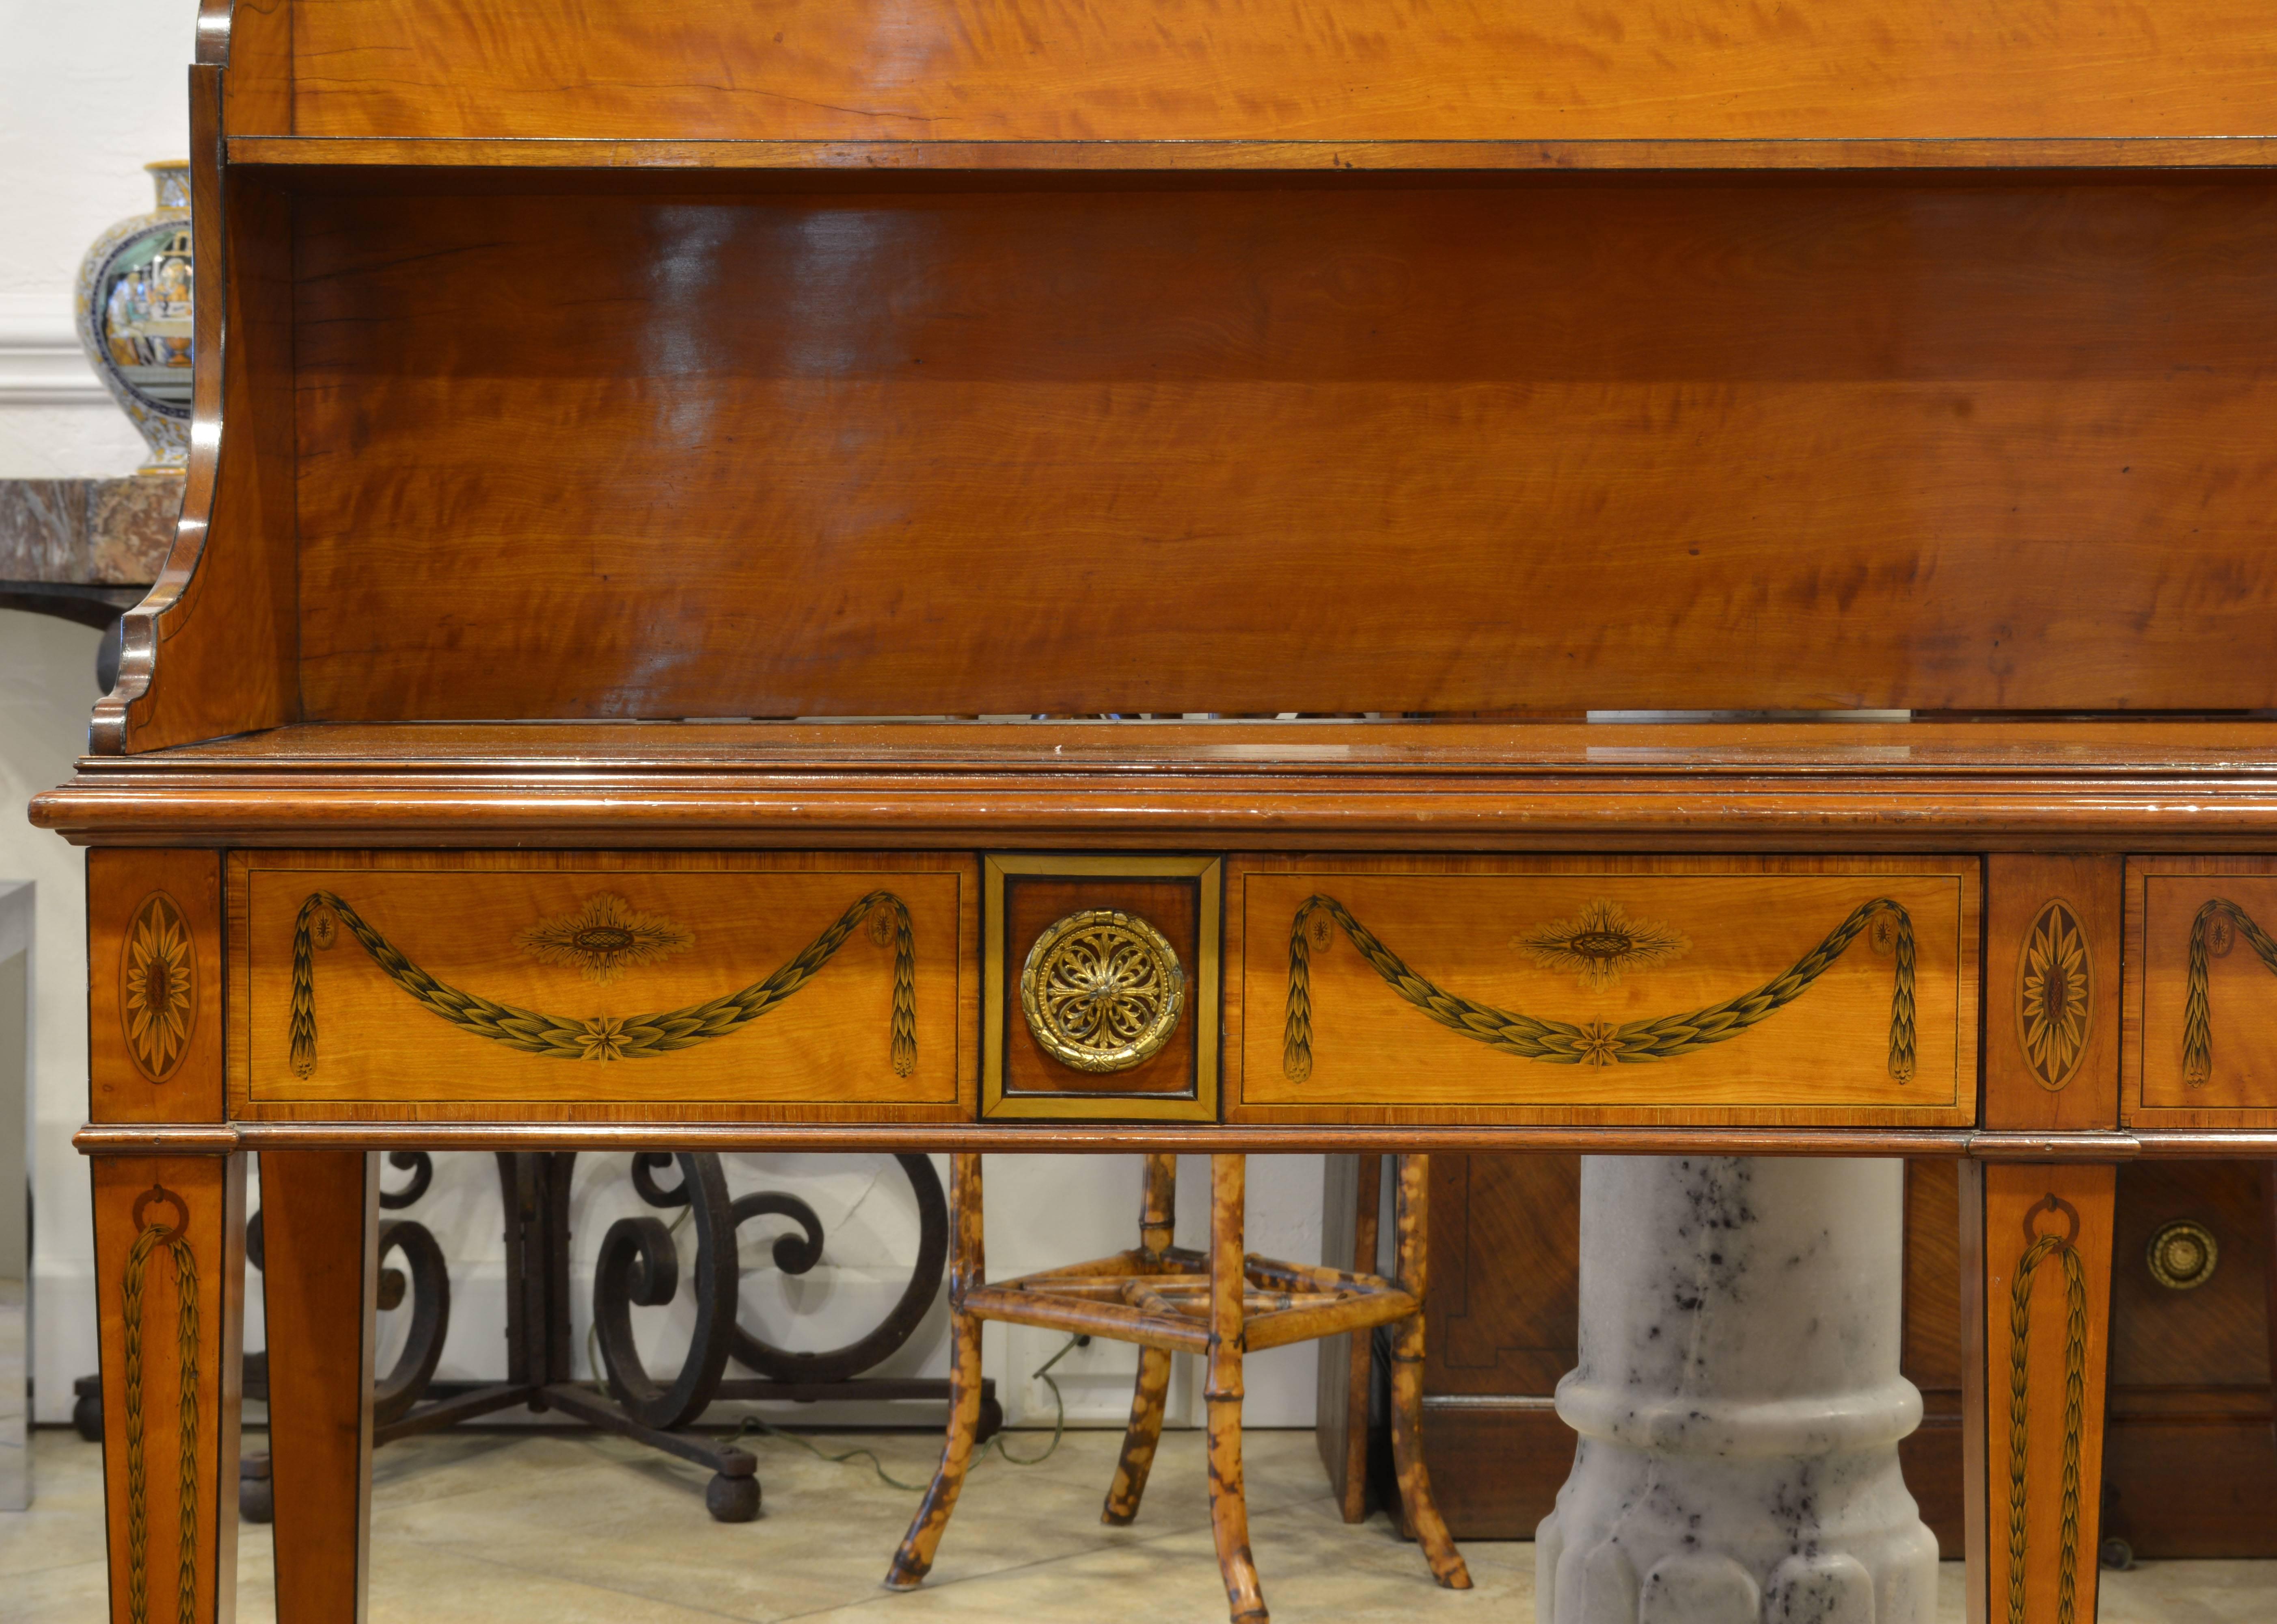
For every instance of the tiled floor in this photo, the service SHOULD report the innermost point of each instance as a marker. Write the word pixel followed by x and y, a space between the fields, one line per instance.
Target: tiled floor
pixel 494 1528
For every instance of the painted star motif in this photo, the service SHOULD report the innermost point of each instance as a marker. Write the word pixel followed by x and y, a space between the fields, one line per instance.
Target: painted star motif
pixel 1600 1044
pixel 604 1037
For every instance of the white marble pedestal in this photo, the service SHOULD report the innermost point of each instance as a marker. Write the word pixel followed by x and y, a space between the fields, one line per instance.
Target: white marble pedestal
pixel 1737 1400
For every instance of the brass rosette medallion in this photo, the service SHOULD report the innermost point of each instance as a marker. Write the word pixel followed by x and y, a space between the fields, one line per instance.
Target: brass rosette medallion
pixel 1102 990
pixel 2182 1255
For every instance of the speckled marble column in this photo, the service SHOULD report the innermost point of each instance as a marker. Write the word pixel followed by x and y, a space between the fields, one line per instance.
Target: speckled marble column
pixel 1738 1401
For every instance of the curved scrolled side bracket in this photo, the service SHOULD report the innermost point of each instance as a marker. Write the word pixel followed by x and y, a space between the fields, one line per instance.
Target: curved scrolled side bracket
pixel 132 699
pixel 184 675
pixel 214 19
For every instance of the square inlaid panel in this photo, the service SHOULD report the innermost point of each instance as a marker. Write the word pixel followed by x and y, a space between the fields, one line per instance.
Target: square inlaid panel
pixel 1710 989
pixel 1101 988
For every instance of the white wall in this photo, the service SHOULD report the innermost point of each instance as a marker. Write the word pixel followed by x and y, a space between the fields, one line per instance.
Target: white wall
pixel 89 92
pixel 47 682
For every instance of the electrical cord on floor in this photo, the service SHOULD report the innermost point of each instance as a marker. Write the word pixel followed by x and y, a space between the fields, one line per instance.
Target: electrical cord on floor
pixel 752 1424
pixel 1059 1408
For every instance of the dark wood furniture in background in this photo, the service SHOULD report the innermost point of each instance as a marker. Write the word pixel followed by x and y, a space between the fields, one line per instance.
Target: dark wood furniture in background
pixel 607 413
pixel 2190 1461
pixel 2190 1458
pixel 1502 1325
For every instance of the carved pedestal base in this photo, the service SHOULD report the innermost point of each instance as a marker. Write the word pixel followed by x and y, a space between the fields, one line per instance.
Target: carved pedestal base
pixel 1737 1400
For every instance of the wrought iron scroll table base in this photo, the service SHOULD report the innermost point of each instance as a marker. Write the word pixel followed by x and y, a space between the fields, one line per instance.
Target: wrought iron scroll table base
pixel 638 1264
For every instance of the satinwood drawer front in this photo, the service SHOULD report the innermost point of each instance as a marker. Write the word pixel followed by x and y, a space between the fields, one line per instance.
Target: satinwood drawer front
pixel 2199 1007
pixel 1839 991
pixel 754 986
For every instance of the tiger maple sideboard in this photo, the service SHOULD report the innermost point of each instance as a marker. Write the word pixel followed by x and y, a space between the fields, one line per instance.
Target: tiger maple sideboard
pixel 987 575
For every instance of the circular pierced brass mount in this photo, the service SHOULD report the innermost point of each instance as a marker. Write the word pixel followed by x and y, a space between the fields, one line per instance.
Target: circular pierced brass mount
pixel 2182 1254
pixel 1102 990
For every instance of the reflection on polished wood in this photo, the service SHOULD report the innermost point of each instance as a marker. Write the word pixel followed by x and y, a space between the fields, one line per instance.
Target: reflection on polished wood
pixel 1458 399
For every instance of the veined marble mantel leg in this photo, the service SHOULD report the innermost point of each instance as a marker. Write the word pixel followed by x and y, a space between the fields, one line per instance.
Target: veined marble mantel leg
pixel 1737 1400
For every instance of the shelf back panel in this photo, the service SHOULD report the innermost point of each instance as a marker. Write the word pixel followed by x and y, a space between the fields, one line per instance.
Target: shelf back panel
pixel 1385 70
pixel 1540 447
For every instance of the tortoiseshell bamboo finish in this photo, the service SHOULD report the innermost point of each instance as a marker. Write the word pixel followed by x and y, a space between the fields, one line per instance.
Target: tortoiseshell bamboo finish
pixel 1221 1304
pixel 1412 1218
pixel 967 1268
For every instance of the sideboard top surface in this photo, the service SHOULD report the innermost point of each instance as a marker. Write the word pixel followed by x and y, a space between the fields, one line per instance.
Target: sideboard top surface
pixel 1776 745
pixel 1349 784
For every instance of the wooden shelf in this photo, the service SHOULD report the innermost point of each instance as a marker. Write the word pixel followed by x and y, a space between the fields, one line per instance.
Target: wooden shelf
pixel 1393 157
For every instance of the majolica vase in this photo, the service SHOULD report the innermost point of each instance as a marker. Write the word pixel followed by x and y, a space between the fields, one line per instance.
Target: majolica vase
pixel 132 304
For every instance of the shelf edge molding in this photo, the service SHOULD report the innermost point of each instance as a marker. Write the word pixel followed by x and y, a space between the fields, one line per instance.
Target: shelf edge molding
pixel 1844 154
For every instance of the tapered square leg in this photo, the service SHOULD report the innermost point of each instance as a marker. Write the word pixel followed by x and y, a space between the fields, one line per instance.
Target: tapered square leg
pixel 320 1270
pixel 2036 1305
pixel 170 1254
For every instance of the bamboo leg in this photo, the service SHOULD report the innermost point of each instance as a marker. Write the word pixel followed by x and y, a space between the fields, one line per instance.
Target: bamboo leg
pixel 1157 1229
pixel 967 1268
pixel 1138 1440
pixel 1412 1218
pixel 1229 1506
pixel 1158 1208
